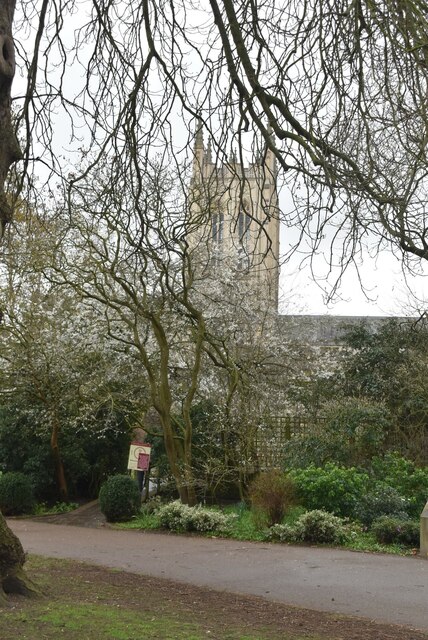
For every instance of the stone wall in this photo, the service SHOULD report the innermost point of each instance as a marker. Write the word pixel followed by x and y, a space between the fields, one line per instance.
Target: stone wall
pixel 324 330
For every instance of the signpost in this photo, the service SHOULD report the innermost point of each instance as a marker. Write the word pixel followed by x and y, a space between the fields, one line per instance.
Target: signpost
pixel 139 456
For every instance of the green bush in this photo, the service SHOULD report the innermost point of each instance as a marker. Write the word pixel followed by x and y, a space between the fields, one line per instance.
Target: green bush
pixel 119 498
pixel 410 481
pixel 89 453
pixel 352 431
pixel 320 526
pixel 16 494
pixel 314 526
pixel 271 495
pixel 180 517
pixel 330 488
pixel 388 530
pixel 175 516
pixel 381 500
pixel 283 533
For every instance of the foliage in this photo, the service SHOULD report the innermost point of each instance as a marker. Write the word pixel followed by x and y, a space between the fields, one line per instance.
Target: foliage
pixel 380 500
pixel 42 509
pixel 211 474
pixel 315 526
pixel 214 478
pixel 90 451
pixel 351 432
pixel 375 398
pixel 271 494
pixel 16 494
pixel 332 488
pixel 391 366
pixel 180 517
pixel 243 527
pixel 320 526
pixel 119 498
pixel 405 477
pixel 283 533
pixel 390 530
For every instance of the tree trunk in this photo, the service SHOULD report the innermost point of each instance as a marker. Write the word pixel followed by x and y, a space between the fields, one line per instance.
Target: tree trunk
pixel 9 147
pixel 12 557
pixel 59 466
pixel 183 479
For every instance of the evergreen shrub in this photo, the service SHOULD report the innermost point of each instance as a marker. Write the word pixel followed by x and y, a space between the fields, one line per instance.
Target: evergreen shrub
pixel 16 494
pixel 330 488
pixel 402 474
pixel 381 500
pixel 389 530
pixel 283 533
pixel 180 517
pixel 315 526
pixel 119 498
pixel 320 526
pixel 353 431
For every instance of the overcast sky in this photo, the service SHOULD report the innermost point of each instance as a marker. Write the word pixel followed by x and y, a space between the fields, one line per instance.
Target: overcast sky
pixel 387 291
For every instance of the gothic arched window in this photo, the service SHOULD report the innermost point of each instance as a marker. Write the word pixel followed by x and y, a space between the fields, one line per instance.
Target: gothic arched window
pixel 217 228
pixel 244 224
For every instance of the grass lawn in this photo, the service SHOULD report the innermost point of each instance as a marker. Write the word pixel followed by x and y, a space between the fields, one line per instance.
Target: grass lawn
pixel 83 602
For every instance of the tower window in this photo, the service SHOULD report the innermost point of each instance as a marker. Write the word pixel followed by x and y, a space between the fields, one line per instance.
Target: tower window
pixel 217 228
pixel 244 223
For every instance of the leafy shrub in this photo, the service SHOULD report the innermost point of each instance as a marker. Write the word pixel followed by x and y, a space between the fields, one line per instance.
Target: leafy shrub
pixel 151 505
pixel 89 455
pixel 209 520
pixel 283 533
pixel 382 500
pixel 180 517
pixel 388 530
pixel 330 488
pixel 410 481
pixel 314 526
pixel 175 516
pixel 119 498
pixel 16 494
pixel 352 431
pixel 320 526
pixel 271 495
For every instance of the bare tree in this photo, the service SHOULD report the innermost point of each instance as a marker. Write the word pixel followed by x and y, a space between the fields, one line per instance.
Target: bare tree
pixel 342 84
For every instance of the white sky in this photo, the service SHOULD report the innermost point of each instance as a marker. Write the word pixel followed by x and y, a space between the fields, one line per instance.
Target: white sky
pixel 387 291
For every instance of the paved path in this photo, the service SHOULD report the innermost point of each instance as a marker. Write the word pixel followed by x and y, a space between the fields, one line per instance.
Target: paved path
pixel 380 587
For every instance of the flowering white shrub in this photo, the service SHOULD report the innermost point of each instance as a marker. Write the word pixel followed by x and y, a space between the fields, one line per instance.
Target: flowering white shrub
pixel 180 517
pixel 321 526
pixel 283 533
pixel 313 526
pixel 174 516
pixel 209 520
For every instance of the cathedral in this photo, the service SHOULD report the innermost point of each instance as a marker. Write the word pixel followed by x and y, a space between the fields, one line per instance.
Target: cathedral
pixel 235 215
pixel 235 222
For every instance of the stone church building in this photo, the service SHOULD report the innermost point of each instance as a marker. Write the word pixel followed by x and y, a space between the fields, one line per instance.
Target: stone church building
pixel 236 216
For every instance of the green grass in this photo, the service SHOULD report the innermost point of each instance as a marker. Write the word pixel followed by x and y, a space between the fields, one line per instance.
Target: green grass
pixel 365 541
pixel 113 623
pixel 146 521
pixel 43 509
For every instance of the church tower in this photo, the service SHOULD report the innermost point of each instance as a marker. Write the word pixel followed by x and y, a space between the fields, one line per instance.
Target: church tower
pixel 234 214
